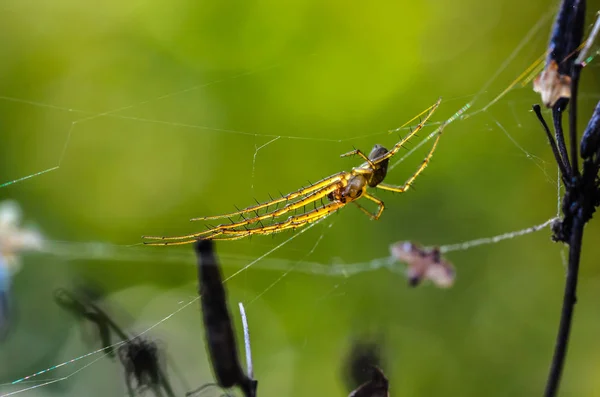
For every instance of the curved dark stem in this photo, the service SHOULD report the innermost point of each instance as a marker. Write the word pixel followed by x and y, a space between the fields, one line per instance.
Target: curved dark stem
pixel 557 112
pixel 573 117
pixel 561 165
pixel 569 300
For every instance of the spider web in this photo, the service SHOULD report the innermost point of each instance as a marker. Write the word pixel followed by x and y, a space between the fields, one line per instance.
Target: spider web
pixel 181 151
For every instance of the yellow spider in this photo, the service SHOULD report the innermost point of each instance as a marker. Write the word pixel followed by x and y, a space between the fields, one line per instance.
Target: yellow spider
pixel 340 189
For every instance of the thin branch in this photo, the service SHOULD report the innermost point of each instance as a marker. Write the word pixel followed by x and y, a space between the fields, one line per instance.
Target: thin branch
pixel 569 300
pixel 578 201
pixel 557 156
pixel 557 111
pixel 573 118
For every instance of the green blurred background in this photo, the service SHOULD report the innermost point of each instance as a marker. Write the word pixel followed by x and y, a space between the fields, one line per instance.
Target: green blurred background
pixel 154 112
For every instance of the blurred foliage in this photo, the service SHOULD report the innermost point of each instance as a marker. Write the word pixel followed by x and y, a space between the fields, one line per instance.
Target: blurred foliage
pixel 156 112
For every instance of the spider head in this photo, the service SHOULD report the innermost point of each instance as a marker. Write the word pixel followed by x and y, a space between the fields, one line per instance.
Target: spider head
pixel 380 170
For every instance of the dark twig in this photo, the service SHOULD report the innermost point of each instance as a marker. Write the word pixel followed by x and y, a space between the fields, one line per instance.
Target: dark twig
pixel 579 204
pixel 557 112
pixel 566 317
pixel 218 327
pixel 558 85
pixel 573 117
pixel 561 165
pixel 576 214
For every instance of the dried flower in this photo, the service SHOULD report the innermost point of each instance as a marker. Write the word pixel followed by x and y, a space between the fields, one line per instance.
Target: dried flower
pixel 424 264
pixel 13 240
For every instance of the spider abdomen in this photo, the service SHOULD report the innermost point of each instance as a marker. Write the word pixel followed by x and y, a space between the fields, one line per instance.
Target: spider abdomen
pixel 380 171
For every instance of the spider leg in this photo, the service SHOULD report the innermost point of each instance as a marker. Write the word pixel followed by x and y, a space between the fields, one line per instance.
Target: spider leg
pixel 362 171
pixel 380 205
pixel 361 154
pixel 409 181
pixel 230 229
pixel 293 222
pixel 399 145
pixel 290 196
pixel 179 242
pixel 364 210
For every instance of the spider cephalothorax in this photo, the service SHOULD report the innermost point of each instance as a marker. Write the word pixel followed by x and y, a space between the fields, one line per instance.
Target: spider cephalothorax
pixel 340 189
pixel 369 174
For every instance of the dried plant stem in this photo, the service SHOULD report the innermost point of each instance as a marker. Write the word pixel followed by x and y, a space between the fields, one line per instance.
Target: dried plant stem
pixel 569 300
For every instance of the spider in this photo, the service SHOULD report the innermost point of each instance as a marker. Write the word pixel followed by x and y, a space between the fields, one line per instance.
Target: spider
pixel 339 189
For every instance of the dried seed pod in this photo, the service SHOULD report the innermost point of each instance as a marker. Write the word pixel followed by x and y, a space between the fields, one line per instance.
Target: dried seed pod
pixel 567 34
pixel 590 142
pixel 218 326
